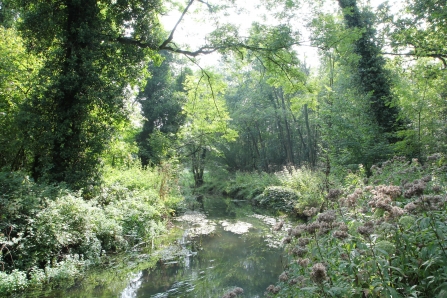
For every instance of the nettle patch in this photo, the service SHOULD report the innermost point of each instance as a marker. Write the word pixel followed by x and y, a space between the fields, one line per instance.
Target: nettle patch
pixel 376 240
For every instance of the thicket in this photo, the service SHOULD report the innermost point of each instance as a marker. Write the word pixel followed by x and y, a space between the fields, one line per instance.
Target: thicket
pixel 296 191
pixel 51 234
pixel 381 236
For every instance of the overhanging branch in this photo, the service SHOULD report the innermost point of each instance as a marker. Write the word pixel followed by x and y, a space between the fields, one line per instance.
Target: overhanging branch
pixel 171 35
pixel 442 57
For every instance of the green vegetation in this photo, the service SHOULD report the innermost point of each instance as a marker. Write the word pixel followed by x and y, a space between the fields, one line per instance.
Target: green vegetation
pixel 376 239
pixel 108 124
pixel 53 234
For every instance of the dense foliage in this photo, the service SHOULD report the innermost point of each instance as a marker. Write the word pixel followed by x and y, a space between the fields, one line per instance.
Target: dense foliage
pixel 86 67
pixel 381 236
pixel 52 233
pixel 161 106
pixel 97 121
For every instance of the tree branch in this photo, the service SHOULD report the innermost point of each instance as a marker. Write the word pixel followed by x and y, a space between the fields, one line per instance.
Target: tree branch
pixel 442 57
pixel 210 8
pixel 171 35
pixel 203 50
pixel 169 45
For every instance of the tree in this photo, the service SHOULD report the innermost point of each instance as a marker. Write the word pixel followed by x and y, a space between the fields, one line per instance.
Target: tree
pixel 421 94
pixel 161 103
pixel 269 106
pixel 7 14
pixel 416 33
pixel 89 63
pixel 372 76
pixel 17 79
pixel 94 51
pixel 350 132
pixel 420 29
pixel 207 120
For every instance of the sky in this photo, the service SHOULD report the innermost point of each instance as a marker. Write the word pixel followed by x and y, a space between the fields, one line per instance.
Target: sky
pixel 194 27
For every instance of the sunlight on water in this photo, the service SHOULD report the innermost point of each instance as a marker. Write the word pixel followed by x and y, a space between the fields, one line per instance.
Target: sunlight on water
pixel 222 247
pixel 134 285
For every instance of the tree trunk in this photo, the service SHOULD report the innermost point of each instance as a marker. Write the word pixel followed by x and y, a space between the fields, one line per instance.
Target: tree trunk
pixel 310 138
pixel 263 150
pixel 289 142
pixel 279 124
pixel 198 166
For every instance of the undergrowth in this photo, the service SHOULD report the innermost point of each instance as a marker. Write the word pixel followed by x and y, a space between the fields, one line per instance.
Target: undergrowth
pixel 50 234
pixel 385 237
pixel 296 191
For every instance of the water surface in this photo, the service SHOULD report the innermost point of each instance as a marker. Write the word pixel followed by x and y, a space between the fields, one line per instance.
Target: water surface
pixel 222 245
pixel 228 246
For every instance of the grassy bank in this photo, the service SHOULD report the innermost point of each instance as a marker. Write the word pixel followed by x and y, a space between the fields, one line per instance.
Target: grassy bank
pixel 377 236
pixel 295 191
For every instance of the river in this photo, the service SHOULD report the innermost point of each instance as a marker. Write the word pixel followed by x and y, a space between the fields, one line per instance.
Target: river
pixel 221 245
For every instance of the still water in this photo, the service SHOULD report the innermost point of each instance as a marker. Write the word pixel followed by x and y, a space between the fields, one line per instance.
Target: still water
pixel 223 244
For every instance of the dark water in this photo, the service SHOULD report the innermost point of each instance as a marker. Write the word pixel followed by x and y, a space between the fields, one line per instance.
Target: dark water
pixel 205 265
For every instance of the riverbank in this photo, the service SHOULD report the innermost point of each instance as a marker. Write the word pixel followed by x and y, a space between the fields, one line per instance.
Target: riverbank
pixel 378 236
pixel 224 245
pixel 378 226
pixel 51 235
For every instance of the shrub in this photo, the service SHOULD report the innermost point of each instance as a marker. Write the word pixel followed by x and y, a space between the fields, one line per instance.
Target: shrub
pixel 50 233
pixel 13 282
pixel 66 226
pixel 278 198
pixel 139 220
pixel 307 184
pixel 396 171
pixel 249 185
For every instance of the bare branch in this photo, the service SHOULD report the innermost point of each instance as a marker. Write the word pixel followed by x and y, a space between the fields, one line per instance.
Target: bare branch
pixel 171 35
pixel 210 8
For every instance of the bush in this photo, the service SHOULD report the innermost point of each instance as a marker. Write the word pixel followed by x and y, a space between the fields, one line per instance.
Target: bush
pixel 278 198
pixel 13 282
pixel 50 233
pixel 307 184
pixel 249 185
pixel 66 226
pixel 139 220
pixel 397 171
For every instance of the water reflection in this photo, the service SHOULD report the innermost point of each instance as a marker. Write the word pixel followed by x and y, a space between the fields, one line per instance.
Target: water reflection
pixel 135 283
pixel 208 262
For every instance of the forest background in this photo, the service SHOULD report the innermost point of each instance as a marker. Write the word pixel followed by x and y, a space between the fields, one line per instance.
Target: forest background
pixel 108 123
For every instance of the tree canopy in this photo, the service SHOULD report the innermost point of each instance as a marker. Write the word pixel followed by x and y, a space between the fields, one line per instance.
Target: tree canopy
pixel 86 60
